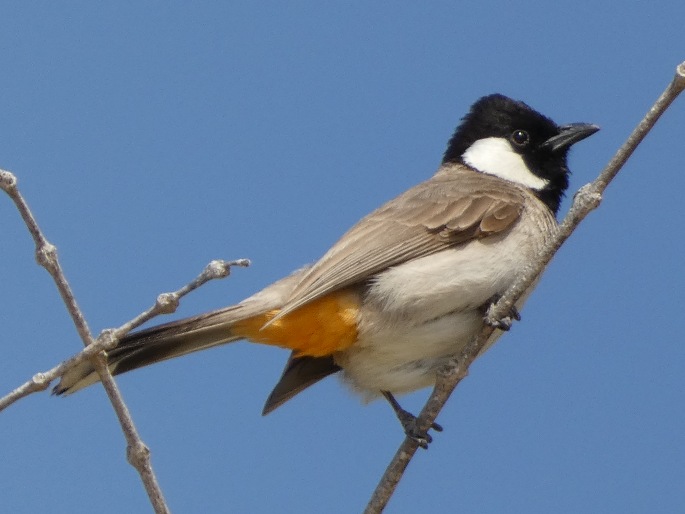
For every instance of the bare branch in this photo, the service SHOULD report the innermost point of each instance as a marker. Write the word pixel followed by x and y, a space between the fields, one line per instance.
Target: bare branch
pixel 138 453
pixel 40 381
pixel 46 255
pixel 166 303
pixel 586 199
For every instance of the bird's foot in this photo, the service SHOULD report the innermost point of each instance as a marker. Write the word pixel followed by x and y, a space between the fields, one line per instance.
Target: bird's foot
pixel 408 422
pixel 503 323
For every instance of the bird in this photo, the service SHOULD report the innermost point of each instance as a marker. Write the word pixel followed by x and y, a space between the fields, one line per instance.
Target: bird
pixel 407 287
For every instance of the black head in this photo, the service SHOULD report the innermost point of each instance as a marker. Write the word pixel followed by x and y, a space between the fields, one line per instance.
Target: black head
pixel 500 136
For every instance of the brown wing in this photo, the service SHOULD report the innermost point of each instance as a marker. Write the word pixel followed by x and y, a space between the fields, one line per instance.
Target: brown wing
pixel 455 206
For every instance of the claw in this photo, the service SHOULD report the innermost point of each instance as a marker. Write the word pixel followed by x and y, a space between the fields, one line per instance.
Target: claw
pixel 408 422
pixel 504 323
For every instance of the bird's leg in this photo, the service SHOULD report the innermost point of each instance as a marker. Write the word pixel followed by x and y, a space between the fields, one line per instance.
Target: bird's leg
pixel 502 323
pixel 408 421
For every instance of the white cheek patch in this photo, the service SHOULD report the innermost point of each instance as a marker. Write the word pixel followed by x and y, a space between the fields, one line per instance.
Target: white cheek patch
pixel 494 156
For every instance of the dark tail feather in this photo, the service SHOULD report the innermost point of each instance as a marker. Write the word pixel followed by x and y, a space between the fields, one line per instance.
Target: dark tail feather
pixel 298 375
pixel 156 344
pixel 184 336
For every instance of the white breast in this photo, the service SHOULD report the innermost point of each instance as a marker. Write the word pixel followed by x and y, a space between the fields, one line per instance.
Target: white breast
pixel 418 314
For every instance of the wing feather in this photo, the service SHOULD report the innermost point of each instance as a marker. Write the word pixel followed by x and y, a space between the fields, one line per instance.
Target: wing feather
pixel 456 205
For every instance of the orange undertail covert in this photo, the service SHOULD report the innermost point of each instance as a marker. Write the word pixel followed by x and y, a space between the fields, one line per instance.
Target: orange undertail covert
pixel 317 329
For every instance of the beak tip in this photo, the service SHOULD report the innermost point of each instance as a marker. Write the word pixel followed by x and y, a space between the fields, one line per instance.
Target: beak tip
pixel 570 135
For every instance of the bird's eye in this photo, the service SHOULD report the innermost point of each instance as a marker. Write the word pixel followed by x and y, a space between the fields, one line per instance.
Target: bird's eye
pixel 520 138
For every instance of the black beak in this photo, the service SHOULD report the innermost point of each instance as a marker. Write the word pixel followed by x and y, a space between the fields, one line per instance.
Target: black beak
pixel 569 135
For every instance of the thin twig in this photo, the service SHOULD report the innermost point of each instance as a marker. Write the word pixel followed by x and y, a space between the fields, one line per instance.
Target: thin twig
pixel 46 255
pixel 40 381
pixel 586 199
pixel 166 303
pixel 138 454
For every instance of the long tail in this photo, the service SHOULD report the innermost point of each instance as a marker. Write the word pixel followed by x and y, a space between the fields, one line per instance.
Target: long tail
pixel 159 343
pixel 178 338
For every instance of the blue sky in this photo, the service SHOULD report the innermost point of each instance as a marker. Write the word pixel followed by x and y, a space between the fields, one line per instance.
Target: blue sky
pixel 151 138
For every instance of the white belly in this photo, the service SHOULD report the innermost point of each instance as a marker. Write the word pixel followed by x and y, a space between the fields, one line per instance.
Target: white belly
pixel 406 357
pixel 418 315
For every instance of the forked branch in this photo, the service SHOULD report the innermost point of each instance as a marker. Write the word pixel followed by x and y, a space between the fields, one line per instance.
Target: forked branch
pixel 137 453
